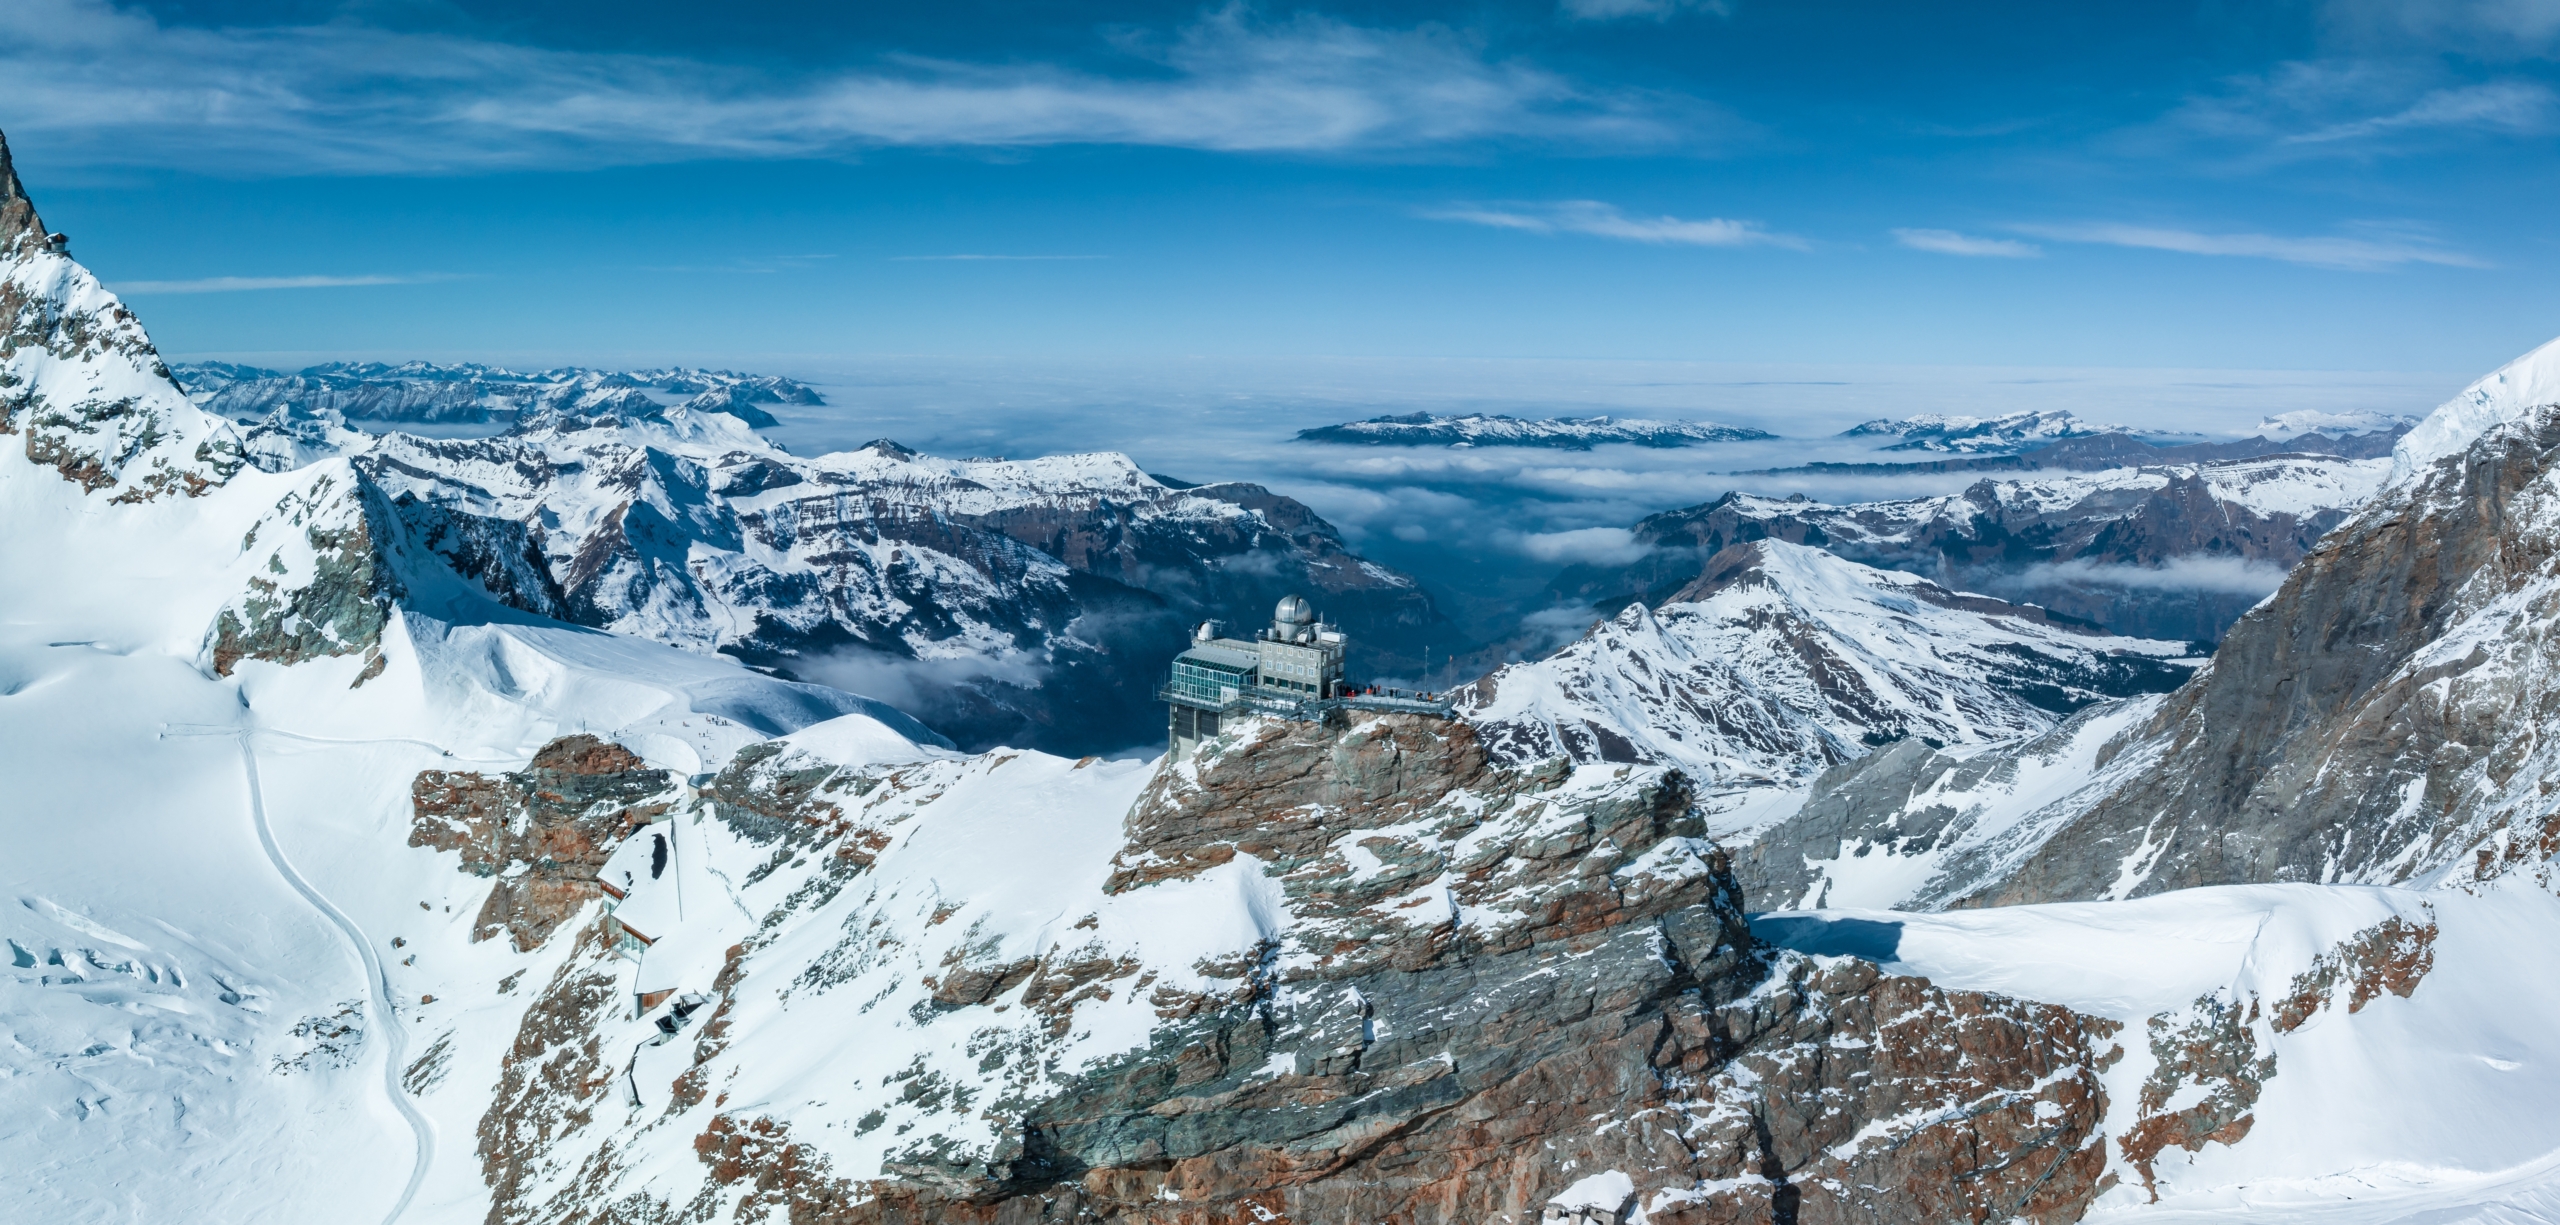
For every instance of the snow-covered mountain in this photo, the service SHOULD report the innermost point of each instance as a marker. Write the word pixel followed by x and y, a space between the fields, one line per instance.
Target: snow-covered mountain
pixel 2000 435
pixel 1783 660
pixel 469 393
pixel 1563 433
pixel 2169 550
pixel 1031 602
pixel 348 885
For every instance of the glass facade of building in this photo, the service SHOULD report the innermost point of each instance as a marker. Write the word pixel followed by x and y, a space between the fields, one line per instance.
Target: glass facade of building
pixel 1204 677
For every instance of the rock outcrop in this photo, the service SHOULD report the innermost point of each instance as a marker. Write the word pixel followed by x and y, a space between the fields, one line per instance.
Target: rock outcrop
pixel 541 832
pixel 2376 720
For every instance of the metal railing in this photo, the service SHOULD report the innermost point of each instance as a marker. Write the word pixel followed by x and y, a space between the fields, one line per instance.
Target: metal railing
pixel 1385 701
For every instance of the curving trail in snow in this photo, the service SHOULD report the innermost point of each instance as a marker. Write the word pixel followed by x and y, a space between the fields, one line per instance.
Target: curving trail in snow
pixel 386 1014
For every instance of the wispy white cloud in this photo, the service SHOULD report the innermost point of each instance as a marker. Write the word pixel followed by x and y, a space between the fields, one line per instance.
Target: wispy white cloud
pixel 1949 242
pixel 1646 10
pixel 1601 220
pixel 1000 258
pixel 236 284
pixel 2494 28
pixel 2352 108
pixel 2509 106
pixel 2387 248
pixel 111 84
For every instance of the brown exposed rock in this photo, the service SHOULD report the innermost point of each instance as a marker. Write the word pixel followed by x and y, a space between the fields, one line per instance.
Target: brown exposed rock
pixel 2210 1046
pixel 543 832
pixel 1841 1095
pixel 2389 956
pixel 1256 799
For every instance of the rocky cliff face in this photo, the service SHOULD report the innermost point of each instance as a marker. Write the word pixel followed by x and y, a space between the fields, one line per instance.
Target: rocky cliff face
pixel 1460 993
pixel 2160 551
pixel 2376 720
pixel 542 833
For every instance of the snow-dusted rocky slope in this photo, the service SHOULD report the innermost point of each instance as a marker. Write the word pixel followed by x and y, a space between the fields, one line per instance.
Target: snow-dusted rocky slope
pixel 1562 433
pixel 2379 719
pixel 2167 551
pixel 1782 660
pixel 470 393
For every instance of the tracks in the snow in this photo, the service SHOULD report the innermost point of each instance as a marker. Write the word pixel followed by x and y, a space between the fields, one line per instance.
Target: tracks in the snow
pixel 386 1011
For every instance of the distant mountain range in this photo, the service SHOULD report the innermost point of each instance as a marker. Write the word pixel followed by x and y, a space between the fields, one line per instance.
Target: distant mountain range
pixel 2171 550
pixel 430 393
pixel 1561 433
pixel 1980 435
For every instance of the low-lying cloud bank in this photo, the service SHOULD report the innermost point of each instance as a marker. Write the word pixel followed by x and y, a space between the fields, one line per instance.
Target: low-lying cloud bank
pixel 2227 575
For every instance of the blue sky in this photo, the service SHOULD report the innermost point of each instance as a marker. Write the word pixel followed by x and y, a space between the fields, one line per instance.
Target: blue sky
pixel 2354 185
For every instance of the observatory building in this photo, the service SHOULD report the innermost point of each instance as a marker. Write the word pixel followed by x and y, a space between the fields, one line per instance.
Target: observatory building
pixel 1296 661
pixel 1292 670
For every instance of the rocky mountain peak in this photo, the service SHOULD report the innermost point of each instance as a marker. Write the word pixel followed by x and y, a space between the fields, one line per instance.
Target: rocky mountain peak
pixel 81 381
pixel 19 226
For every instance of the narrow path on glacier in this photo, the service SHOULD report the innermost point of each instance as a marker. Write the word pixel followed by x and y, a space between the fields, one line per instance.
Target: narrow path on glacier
pixel 378 982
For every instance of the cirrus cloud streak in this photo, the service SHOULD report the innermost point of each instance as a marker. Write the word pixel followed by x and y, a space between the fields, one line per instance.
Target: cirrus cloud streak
pixel 1949 242
pixel 113 86
pixel 1601 220
pixel 2316 251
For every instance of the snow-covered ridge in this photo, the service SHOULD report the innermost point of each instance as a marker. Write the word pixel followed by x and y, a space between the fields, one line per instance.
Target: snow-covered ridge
pixel 2504 395
pixel 1486 430
pixel 1783 660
